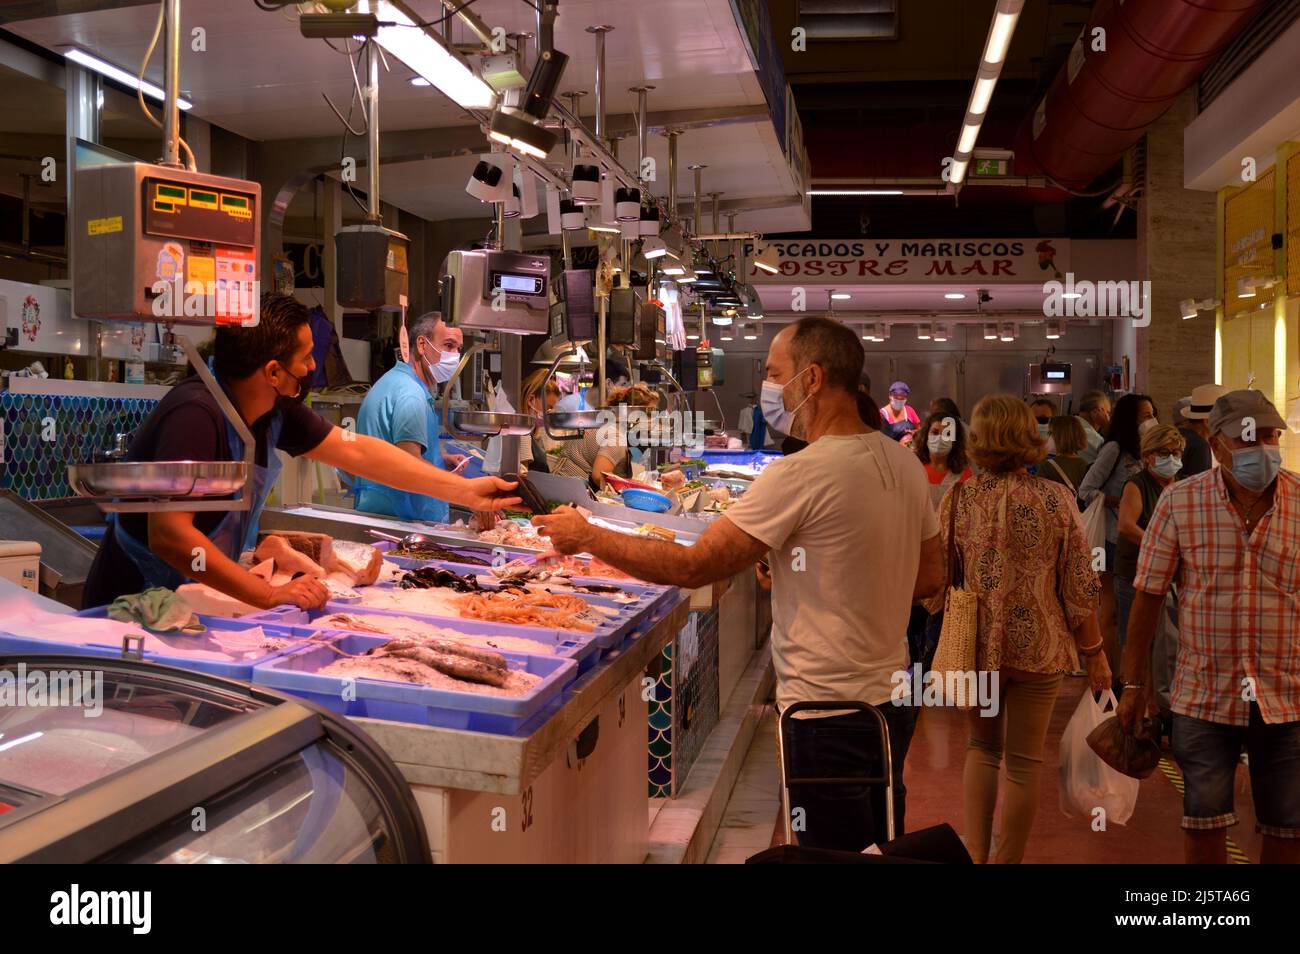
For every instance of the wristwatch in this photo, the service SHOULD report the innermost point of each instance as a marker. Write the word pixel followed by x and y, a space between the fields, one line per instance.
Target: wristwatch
pixel 1135 685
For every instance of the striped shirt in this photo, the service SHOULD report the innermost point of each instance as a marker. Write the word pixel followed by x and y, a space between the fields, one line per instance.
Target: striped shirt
pixel 1238 598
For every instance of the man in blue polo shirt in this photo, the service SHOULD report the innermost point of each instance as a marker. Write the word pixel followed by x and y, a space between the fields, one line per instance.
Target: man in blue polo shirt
pixel 400 409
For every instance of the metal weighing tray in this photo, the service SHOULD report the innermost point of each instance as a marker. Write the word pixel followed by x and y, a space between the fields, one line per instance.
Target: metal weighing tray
pixel 158 479
pixel 492 423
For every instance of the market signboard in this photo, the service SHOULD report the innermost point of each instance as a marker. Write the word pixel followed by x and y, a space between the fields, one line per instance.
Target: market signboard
pixel 917 261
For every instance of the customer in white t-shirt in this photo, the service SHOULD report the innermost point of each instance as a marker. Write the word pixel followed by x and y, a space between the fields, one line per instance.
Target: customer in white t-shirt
pixel 853 540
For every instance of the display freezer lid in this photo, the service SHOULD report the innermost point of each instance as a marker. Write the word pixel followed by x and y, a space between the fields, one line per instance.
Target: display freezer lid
pixel 120 783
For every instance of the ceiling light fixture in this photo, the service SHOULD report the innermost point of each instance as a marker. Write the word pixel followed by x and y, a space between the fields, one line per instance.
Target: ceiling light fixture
pixel 1053 329
pixel 990 332
pixel 923 332
pixel 424 52
pixel 841 296
pixel 851 192
pixel 1001 29
pixel 954 296
pixel 653 247
pixel 767 259
pixel 104 68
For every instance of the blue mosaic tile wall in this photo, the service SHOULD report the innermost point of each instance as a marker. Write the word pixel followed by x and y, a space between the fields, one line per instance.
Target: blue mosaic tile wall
pixel 684 707
pixel 37 469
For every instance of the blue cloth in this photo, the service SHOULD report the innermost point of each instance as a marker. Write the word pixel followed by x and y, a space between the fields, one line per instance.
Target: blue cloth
pixel 758 435
pixel 400 408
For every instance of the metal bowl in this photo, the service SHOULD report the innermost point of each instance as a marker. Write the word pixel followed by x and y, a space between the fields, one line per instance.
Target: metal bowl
pixel 183 478
pixel 492 423
pixel 583 420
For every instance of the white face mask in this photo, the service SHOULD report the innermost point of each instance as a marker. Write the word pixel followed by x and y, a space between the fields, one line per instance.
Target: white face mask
pixel 772 400
pixel 938 444
pixel 1146 425
pixel 897 403
pixel 446 367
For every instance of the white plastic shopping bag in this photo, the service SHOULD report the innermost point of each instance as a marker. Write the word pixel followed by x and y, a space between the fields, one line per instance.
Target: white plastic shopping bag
pixel 1088 783
pixel 497 402
pixel 1094 523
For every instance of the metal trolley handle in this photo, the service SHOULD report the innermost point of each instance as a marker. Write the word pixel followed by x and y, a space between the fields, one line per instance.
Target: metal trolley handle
pixel 885 750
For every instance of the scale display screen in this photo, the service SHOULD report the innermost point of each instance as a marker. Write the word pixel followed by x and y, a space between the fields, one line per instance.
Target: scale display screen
pixel 520 284
pixel 1055 375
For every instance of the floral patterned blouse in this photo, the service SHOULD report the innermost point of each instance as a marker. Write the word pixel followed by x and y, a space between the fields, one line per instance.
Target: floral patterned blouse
pixel 1024 550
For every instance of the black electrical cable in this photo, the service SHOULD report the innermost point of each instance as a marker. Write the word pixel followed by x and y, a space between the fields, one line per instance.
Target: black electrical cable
pixel 272 7
pixel 343 146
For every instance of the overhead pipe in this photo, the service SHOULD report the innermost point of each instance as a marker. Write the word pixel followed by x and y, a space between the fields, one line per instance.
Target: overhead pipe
pixel 1101 103
pixel 469 18
pixel 698 169
pixel 372 135
pixel 172 84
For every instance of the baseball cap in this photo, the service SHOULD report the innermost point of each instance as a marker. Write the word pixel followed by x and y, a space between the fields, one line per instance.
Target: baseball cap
pixel 1234 409
pixel 1202 401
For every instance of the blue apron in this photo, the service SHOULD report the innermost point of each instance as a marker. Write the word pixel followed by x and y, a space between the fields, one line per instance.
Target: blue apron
pixel 237 530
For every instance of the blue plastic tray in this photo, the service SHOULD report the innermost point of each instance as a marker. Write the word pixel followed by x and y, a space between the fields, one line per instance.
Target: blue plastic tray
pixel 582 648
pixel 298 673
pixel 241 670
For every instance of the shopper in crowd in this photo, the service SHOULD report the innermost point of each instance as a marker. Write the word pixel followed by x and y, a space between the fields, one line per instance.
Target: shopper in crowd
pixel 1066 466
pixel 1198 457
pixel 840 599
pixel 899 417
pixel 1094 413
pixel 536 452
pixel 1162 449
pixel 604 450
pixel 1119 459
pixel 943 452
pixel 263 370
pixel 1043 411
pixel 1023 546
pixel 1229 538
pixel 399 409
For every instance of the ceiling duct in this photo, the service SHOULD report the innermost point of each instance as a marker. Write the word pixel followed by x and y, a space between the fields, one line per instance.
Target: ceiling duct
pixel 849 19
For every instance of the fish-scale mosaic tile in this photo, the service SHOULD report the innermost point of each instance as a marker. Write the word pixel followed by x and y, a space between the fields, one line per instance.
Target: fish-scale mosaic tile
pixel 43 433
pixel 683 708
pixel 660 745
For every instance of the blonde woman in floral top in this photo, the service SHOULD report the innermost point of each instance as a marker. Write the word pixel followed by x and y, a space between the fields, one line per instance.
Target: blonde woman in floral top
pixel 1022 544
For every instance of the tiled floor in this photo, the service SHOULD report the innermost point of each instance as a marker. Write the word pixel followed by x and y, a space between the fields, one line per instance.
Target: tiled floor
pixel 934 795
pixel 746 827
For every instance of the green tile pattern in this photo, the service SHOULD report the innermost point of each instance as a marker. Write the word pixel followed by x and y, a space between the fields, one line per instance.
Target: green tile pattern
pixel 36 468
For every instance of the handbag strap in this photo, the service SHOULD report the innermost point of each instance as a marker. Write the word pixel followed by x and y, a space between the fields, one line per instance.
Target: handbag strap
pixel 956 573
pixel 1068 482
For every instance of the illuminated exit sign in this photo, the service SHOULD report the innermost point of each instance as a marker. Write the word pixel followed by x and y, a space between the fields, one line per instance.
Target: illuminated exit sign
pixel 992 166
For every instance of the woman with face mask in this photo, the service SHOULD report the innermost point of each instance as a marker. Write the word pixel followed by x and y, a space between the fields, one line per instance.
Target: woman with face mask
pixel 1162 450
pixel 400 409
pixel 899 418
pixel 943 452
pixel 1119 459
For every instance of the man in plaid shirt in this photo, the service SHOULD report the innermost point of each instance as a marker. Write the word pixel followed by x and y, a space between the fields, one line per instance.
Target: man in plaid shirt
pixel 1230 539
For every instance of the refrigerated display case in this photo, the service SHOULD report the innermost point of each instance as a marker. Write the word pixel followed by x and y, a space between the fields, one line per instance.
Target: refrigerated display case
pixel 160 765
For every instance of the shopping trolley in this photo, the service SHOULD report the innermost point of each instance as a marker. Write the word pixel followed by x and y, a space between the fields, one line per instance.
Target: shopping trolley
pixel 886 759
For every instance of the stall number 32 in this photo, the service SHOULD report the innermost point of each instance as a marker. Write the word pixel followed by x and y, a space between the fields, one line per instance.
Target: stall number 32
pixel 528 808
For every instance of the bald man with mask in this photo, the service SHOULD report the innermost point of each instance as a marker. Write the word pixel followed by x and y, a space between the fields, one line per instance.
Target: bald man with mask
pixel 840 600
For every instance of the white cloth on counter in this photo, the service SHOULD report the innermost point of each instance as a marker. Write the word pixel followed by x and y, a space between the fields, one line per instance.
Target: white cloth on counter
pixel 213 645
